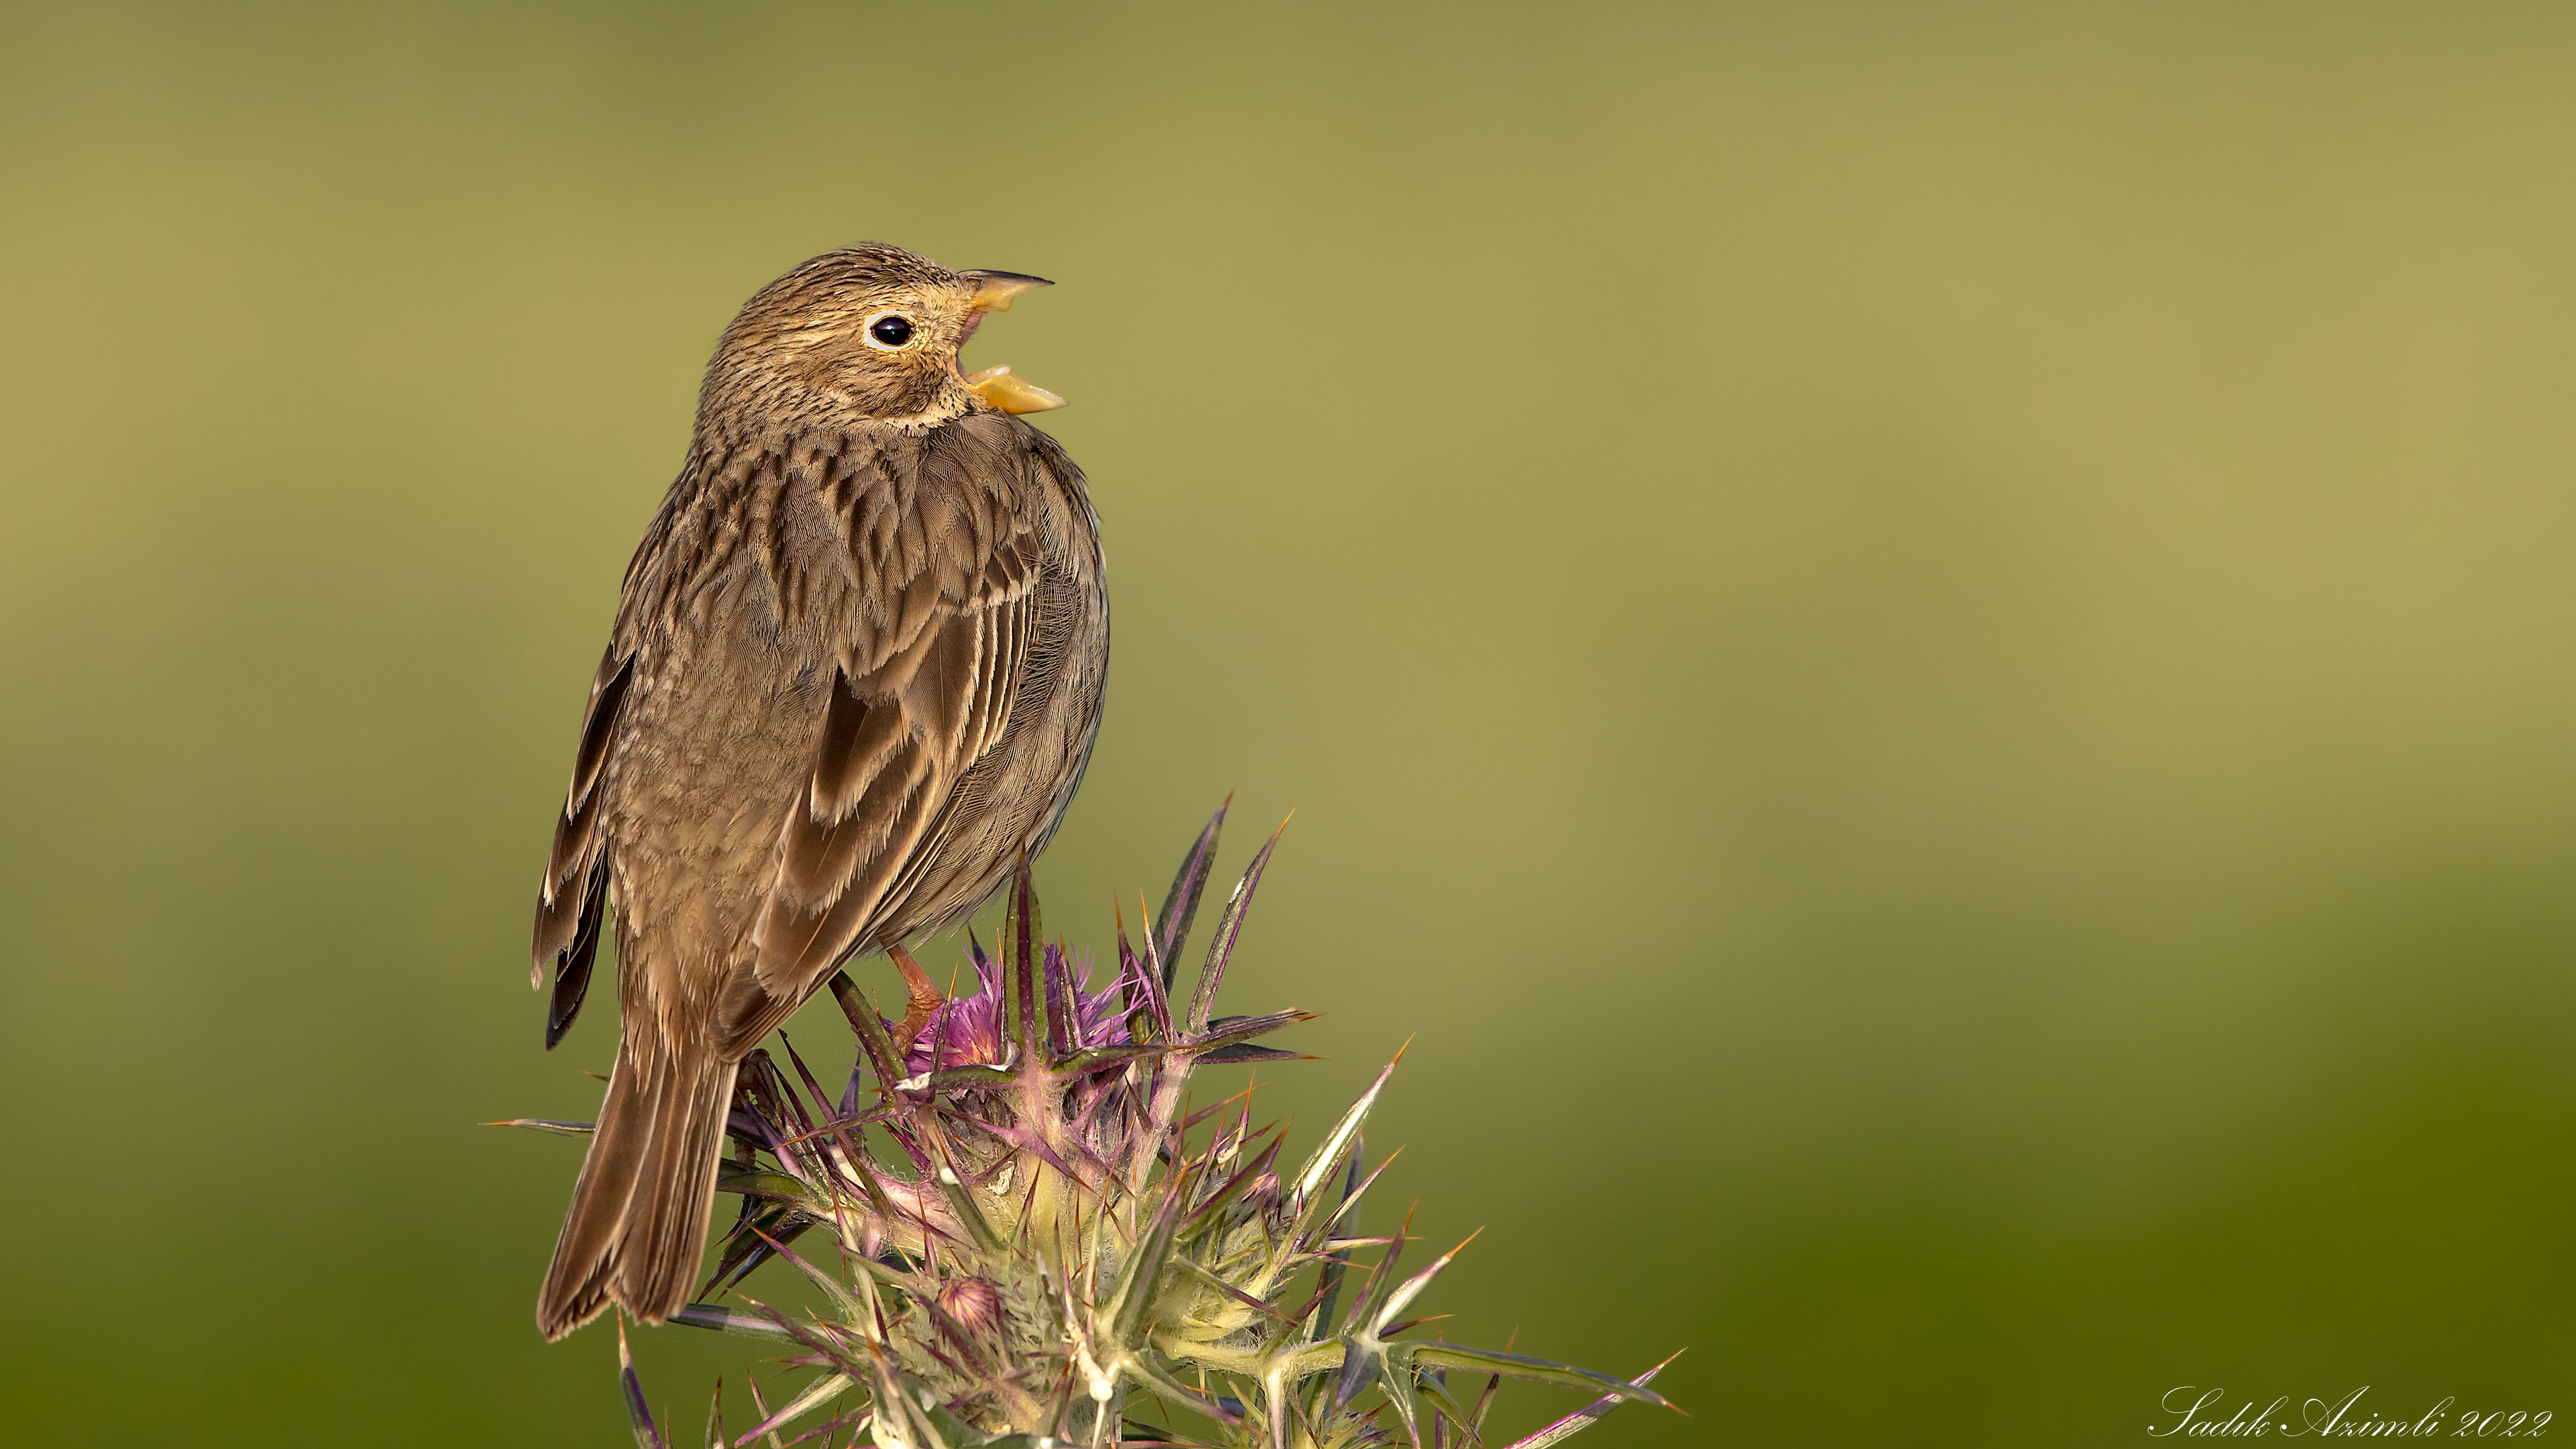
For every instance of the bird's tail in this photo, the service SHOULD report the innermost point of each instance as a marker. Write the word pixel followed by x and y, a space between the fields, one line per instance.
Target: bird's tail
pixel 638 1221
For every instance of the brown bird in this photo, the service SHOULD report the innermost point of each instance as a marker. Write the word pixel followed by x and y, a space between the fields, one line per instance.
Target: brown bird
pixel 854 678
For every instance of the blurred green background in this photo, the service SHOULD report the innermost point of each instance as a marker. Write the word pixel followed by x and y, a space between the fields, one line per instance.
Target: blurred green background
pixel 1927 648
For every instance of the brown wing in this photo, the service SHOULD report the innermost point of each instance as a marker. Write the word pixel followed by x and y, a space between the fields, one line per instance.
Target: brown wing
pixel 574 895
pixel 914 704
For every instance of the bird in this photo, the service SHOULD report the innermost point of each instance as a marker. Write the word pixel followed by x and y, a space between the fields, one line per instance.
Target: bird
pixel 853 682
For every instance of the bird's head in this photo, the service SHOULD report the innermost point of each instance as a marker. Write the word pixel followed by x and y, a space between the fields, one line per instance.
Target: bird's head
pixel 870 331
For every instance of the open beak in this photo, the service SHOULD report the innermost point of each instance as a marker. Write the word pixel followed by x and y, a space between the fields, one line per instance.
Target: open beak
pixel 996 385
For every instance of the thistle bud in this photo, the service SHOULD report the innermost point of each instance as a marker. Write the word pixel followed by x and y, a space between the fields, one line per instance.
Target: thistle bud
pixel 975 1304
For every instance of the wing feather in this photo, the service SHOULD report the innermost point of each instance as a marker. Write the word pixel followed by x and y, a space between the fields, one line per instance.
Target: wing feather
pixel 919 695
pixel 573 897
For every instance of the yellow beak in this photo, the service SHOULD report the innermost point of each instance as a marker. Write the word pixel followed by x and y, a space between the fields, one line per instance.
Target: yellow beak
pixel 994 290
pixel 1010 394
pixel 995 385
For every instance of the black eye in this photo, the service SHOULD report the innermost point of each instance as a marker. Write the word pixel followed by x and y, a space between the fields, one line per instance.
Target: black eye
pixel 891 331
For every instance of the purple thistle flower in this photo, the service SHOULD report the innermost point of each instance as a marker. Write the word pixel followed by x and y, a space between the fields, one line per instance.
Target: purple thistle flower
pixel 968 1030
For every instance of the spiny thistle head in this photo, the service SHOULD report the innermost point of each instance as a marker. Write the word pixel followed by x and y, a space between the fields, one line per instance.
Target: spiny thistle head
pixel 1026 1238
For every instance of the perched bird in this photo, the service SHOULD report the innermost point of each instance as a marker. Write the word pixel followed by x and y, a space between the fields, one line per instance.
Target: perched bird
pixel 854 679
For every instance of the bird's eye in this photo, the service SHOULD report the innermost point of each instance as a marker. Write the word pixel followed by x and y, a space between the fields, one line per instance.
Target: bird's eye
pixel 890 331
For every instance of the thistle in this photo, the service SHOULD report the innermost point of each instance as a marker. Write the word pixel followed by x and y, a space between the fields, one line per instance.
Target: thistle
pixel 1023 1235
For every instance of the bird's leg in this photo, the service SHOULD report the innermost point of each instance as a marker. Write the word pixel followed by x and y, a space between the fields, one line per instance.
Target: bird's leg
pixel 925 998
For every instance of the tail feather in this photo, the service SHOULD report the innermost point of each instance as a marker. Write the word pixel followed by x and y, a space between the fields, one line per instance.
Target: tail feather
pixel 638 1221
